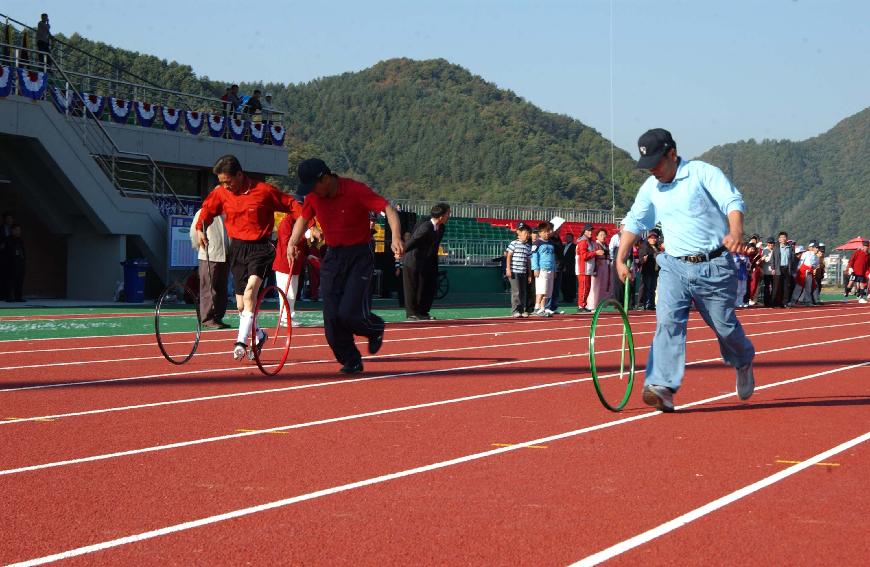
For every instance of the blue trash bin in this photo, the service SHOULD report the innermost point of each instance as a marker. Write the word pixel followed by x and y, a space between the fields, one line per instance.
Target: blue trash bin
pixel 134 280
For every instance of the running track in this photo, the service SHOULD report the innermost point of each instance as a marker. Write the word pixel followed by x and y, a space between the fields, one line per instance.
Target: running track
pixel 464 442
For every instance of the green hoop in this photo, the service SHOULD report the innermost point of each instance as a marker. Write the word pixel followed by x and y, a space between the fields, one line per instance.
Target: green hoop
pixel 626 338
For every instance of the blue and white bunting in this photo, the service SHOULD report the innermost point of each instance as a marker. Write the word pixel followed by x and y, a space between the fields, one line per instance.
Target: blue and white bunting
pixel 217 123
pixel 120 109
pixel 31 83
pixel 170 117
pixel 258 132
pixel 237 128
pixel 95 104
pixel 277 134
pixel 145 113
pixel 193 121
pixel 6 80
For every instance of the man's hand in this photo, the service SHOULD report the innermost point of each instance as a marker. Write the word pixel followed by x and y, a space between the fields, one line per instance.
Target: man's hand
pixel 599 252
pixel 203 241
pixel 537 273
pixel 292 253
pixel 623 272
pixel 508 273
pixel 733 242
pixel 398 248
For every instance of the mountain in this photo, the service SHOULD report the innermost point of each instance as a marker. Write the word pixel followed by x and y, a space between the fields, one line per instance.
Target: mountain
pixel 423 129
pixel 816 188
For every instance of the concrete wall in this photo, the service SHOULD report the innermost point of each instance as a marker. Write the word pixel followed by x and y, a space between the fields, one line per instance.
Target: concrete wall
pixel 94 263
pixel 201 151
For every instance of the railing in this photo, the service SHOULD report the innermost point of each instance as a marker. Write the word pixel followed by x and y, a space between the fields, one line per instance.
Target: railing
pixel 508 212
pixel 134 174
pixel 473 252
pixel 107 79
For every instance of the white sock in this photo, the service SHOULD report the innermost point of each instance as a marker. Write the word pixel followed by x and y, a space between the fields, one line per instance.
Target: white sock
pixel 246 319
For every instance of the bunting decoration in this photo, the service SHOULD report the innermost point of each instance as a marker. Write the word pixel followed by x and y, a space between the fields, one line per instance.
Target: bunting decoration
pixel 95 104
pixel 170 118
pixel 5 80
pixel 193 121
pixel 120 109
pixel 258 132
pixel 217 123
pixel 62 101
pixel 145 113
pixel 237 128
pixel 31 83
pixel 277 133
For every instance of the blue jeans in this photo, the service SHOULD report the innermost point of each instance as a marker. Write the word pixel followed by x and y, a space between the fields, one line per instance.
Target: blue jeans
pixel 713 287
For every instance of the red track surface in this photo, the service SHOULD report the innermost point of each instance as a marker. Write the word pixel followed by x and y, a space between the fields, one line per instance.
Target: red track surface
pixel 92 461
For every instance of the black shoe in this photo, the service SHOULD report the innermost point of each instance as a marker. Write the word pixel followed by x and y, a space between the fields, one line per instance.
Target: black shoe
pixel 375 343
pixel 352 367
pixel 427 317
pixel 412 318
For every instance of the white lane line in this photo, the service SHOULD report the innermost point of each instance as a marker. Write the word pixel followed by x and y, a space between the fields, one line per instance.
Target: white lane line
pixel 393 326
pixel 407 473
pixel 711 507
pixel 345 381
pixel 290 364
pixel 644 319
pixel 205 440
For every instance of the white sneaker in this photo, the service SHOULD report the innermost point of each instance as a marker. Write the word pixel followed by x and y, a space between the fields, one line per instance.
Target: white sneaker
pixel 751 303
pixel 862 300
pixel 517 315
pixel 549 312
pixel 745 382
pixel 239 351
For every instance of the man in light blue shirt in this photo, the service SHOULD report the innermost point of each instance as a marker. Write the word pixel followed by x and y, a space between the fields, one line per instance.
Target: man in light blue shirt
pixel 701 214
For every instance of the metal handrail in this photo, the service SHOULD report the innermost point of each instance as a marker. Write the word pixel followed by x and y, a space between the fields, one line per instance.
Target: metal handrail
pixel 508 212
pixel 103 146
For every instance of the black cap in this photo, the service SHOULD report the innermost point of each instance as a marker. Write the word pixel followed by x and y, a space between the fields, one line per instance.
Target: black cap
pixel 588 226
pixel 310 171
pixel 652 146
pixel 813 244
pixel 770 240
pixel 865 243
pixel 523 226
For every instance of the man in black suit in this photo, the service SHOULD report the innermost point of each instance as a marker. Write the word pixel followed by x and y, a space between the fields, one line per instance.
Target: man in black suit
pixel 569 275
pixel 784 264
pixel 420 263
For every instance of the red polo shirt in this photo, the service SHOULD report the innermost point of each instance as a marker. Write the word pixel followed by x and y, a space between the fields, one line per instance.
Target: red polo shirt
pixel 250 214
pixel 281 264
pixel 344 217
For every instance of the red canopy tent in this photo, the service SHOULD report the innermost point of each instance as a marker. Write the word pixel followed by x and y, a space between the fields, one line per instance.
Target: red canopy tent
pixel 853 244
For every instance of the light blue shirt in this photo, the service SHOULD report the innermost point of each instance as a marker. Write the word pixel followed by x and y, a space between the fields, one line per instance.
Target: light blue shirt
pixel 692 209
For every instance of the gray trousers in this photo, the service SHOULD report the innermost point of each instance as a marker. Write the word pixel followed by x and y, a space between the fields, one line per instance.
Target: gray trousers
pixel 212 291
pixel 520 293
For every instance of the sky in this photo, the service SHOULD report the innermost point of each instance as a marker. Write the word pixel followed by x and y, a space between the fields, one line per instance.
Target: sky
pixel 711 72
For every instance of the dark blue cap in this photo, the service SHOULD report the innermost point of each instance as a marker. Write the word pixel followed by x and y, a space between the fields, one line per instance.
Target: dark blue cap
pixel 310 171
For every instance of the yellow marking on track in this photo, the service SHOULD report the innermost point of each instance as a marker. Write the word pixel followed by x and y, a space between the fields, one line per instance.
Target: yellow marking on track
pixel 261 431
pixel 26 418
pixel 512 444
pixel 799 462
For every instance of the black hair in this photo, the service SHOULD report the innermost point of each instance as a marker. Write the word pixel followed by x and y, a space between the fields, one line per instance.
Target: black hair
pixel 782 233
pixel 545 226
pixel 439 210
pixel 228 164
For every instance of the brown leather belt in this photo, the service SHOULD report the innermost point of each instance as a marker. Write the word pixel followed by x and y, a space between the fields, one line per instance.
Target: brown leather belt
pixel 698 258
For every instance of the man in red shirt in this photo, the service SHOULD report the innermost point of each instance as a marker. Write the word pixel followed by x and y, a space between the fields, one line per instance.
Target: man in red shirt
pixel 249 208
pixel 342 207
pixel 859 264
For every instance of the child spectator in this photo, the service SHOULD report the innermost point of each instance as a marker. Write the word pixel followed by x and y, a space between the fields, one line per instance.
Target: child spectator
pixel 544 267
pixel 517 271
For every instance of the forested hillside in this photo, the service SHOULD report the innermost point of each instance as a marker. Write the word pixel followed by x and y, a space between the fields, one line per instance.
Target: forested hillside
pixel 426 129
pixel 431 129
pixel 817 188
